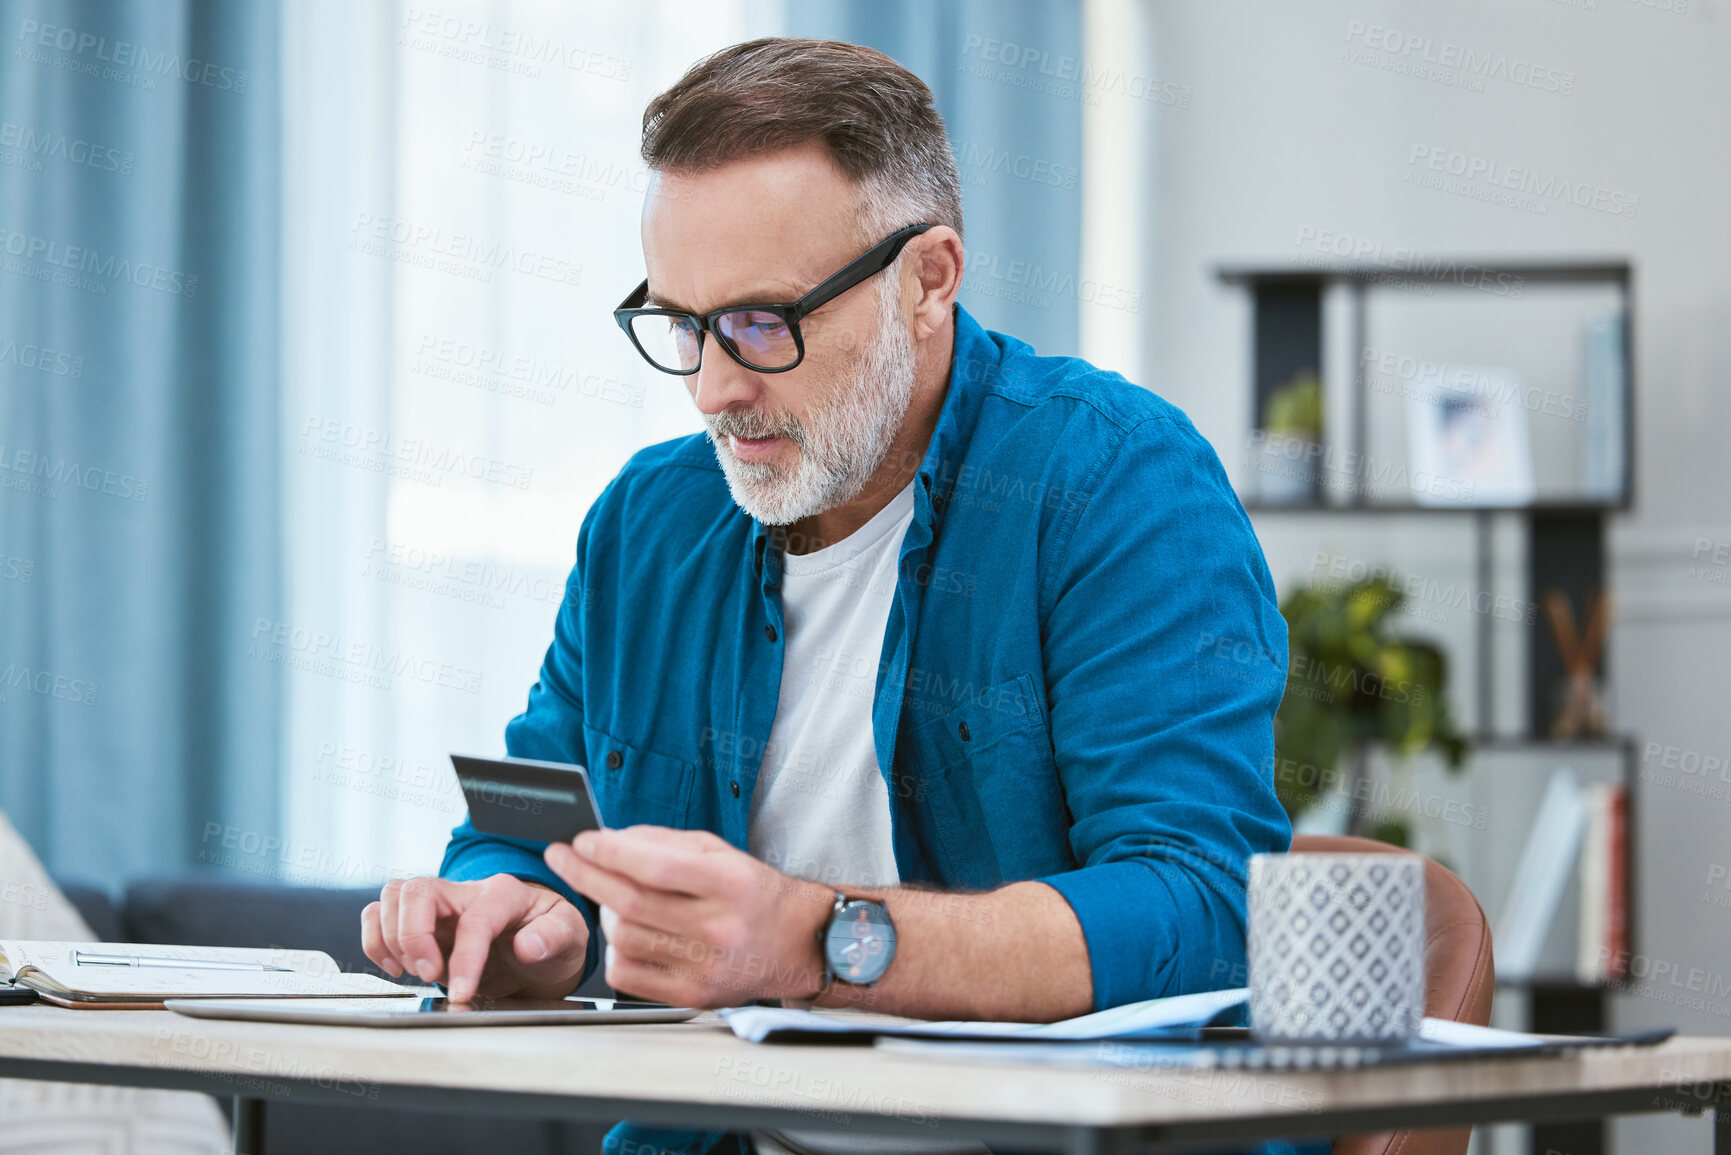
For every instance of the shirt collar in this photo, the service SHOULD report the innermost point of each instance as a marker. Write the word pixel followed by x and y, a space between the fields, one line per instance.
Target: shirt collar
pixel 973 363
pixel 973 366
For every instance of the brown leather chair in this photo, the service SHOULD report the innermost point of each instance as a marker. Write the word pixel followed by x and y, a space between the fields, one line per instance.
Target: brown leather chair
pixel 1458 979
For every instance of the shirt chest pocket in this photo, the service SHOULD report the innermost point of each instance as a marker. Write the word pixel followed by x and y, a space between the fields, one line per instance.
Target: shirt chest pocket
pixel 981 768
pixel 637 786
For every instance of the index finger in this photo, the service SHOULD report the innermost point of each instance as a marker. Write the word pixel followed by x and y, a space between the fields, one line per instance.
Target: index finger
pixel 663 910
pixel 678 861
pixel 477 927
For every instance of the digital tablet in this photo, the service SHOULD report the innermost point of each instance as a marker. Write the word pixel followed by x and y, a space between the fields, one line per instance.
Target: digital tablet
pixel 432 1012
pixel 523 798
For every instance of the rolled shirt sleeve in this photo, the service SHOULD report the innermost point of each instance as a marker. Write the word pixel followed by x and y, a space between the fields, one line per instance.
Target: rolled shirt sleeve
pixel 1165 661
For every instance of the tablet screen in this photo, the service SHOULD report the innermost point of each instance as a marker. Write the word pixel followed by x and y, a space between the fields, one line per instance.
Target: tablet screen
pixel 526 1006
pixel 431 1011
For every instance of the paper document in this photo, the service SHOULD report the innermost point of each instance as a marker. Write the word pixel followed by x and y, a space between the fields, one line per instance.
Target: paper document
pixel 1439 1040
pixel 1470 1035
pixel 52 969
pixel 1133 1020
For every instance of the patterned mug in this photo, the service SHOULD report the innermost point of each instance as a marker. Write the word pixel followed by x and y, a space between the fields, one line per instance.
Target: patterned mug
pixel 1336 947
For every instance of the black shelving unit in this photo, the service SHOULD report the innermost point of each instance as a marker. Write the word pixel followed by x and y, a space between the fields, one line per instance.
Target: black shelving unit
pixel 1565 539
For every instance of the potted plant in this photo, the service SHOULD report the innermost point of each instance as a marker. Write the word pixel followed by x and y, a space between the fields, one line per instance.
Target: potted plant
pixel 1351 684
pixel 1291 426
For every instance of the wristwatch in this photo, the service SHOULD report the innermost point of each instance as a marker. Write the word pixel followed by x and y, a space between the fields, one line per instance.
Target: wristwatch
pixel 858 943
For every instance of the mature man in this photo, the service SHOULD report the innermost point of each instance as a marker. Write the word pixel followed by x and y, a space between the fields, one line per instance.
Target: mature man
pixel 913 683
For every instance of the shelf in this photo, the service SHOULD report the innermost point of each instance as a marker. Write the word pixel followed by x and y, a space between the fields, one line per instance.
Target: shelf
pixel 1583 310
pixel 1430 269
pixel 1622 742
pixel 1537 507
pixel 1556 984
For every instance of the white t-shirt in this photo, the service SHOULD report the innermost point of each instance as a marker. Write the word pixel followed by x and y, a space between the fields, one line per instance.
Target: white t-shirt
pixel 820 810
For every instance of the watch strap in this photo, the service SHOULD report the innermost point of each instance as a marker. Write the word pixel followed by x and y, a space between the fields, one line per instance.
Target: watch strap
pixel 828 975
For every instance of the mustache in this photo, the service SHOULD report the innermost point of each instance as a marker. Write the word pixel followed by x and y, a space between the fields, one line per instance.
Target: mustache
pixel 752 424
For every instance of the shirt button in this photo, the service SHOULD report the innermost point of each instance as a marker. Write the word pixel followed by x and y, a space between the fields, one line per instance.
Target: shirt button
pixel 769 632
pixel 615 759
pixel 734 786
pixel 963 731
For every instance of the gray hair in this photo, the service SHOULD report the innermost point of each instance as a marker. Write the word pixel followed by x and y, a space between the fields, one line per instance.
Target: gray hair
pixel 877 119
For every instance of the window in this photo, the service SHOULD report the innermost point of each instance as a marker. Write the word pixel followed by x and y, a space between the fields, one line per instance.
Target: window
pixel 462 193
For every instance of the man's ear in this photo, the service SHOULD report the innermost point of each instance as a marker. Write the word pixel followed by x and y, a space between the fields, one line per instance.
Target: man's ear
pixel 934 267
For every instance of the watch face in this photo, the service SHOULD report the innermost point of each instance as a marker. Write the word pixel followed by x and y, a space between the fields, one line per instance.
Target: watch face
pixel 861 942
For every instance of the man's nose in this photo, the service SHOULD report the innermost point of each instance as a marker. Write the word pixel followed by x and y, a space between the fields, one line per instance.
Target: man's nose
pixel 722 382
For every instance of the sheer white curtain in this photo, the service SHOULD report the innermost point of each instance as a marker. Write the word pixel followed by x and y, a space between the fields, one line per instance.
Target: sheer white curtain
pixel 462 194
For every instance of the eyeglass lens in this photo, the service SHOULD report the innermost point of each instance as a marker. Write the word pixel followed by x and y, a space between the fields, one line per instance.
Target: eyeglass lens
pixel 670 342
pixel 762 338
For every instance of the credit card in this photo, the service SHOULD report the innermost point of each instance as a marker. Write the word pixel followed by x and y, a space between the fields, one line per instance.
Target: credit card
pixel 524 798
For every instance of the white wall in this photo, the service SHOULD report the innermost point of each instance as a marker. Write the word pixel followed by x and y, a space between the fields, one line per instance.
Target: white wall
pixel 1288 131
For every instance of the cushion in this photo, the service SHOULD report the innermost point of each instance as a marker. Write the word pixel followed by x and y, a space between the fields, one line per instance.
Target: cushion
pixel 72 1117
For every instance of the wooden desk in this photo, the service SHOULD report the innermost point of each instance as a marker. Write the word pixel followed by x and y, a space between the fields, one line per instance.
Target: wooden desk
pixel 698 1075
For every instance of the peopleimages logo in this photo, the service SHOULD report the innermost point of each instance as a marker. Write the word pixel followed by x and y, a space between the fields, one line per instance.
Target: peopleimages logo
pixel 586 173
pixel 16 569
pixel 1489 176
pixel 1398 51
pixel 517 374
pixel 1347 247
pixel 466 580
pixel 48 684
pixel 41 359
pixel 1349 471
pixel 463 253
pixel 48 473
pixel 1431 382
pixel 1070 76
pixel 58 146
pixel 31 248
pixel 337 440
pixel 1023 166
pixel 461 38
pixel 353 660
pixel 123 55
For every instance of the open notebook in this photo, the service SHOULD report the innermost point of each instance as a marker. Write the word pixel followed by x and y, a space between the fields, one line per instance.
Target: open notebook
pixel 54 970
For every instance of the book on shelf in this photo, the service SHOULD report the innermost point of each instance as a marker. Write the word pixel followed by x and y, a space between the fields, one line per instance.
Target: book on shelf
pixel 127 976
pixel 1541 877
pixel 1601 954
pixel 1617 925
pixel 1603 386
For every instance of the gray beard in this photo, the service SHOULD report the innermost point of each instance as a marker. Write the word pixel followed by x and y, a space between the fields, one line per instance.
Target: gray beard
pixel 842 442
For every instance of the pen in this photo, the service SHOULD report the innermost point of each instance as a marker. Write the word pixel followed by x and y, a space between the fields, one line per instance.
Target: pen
pixel 88 958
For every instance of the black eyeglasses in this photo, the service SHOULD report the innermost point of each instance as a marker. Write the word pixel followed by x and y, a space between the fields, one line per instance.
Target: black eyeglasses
pixel 764 338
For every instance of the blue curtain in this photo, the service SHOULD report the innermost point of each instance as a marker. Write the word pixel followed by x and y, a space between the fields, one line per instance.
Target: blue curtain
pixel 139 532
pixel 1007 77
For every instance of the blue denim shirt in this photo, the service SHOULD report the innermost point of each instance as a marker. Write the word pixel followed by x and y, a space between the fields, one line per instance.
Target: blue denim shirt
pixel 1077 683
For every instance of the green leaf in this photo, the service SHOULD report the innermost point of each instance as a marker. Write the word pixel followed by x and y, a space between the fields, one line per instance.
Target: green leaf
pixel 1351 682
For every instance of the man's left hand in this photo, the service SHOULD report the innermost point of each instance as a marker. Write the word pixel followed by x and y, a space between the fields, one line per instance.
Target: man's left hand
pixel 692 921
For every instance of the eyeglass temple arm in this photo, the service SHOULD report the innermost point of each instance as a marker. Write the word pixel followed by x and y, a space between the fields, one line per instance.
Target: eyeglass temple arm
pixel 869 263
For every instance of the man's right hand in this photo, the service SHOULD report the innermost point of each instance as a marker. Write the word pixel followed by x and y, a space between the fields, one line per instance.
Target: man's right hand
pixel 497 937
